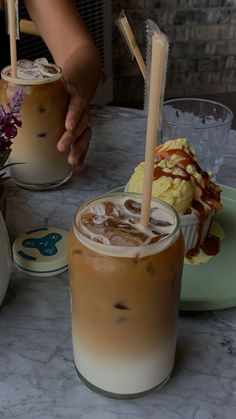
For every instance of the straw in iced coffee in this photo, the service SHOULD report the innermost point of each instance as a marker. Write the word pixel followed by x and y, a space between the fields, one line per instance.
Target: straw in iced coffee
pixel 127 32
pixel 151 28
pixel 12 9
pixel 159 51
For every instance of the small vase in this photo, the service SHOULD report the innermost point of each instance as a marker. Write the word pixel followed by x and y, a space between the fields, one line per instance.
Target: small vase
pixel 5 259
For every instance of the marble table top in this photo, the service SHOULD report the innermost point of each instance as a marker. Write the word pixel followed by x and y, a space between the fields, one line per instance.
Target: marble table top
pixel 37 376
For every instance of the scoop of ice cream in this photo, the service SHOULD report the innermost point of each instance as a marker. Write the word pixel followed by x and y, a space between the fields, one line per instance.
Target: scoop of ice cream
pixel 175 191
pixel 178 154
pixel 178 179
pixel 177 144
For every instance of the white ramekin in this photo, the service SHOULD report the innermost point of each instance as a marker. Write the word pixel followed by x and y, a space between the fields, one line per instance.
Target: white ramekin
pixel 190 229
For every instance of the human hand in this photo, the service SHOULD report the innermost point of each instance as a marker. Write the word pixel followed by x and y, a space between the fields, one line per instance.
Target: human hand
pixel 78 130
pixel 82 72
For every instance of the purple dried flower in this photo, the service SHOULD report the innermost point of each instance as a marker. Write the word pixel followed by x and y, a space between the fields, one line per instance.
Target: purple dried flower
pixel 9 123
pixel 9 120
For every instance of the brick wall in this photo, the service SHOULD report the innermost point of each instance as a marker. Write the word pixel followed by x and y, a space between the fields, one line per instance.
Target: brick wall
pixel 202 58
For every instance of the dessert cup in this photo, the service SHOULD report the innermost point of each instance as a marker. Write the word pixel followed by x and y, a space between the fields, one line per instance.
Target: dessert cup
pixel 191 229
pixel 180 181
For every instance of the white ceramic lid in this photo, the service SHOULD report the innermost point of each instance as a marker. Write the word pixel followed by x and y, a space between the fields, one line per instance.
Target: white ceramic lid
pixel 41 252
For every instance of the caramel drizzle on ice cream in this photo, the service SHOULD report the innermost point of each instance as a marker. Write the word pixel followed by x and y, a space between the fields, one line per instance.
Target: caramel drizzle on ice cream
pixel 210 193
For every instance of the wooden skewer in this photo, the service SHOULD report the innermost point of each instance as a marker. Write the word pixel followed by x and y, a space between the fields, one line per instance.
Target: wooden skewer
pixel 130 38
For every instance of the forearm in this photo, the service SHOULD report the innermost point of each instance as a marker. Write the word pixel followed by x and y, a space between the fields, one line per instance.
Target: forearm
pixel 83 67
pixel 60 26
pixel 68 40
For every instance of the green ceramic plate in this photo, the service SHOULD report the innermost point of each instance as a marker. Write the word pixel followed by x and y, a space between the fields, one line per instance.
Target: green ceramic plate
pixel 212 285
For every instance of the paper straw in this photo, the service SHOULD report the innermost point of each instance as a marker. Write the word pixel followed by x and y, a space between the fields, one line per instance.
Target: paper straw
pixel 12 33
pixel 126 30
pixel 155 93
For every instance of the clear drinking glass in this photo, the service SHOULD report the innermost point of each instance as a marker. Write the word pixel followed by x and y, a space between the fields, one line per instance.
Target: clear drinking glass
pixel 206 125
pixel 125 302
pixel 43 115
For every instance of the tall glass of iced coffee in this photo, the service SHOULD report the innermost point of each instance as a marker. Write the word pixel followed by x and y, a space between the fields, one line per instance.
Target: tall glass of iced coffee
pixel 125 287
pixel 39 164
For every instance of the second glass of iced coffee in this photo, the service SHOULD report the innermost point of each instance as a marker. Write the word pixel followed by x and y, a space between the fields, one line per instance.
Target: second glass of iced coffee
pixel 125 289
pixel 39 164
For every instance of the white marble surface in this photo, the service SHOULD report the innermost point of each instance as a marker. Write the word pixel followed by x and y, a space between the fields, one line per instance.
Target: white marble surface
pixel 37 376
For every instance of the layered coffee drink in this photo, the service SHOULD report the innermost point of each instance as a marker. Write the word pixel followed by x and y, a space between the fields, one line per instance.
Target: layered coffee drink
pixel 125 288
pixel 37 163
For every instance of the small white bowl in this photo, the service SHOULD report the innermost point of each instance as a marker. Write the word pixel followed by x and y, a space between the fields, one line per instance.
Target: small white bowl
pixel 189 226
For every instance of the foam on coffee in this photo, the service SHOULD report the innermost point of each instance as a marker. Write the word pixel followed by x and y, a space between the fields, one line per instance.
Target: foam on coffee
pixel 111 225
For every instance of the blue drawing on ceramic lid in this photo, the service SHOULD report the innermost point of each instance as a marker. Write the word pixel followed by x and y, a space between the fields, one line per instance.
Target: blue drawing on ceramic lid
pixel 42 251
pixel 46 245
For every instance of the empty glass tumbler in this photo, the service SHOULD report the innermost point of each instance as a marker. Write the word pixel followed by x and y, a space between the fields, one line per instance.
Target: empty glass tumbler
pixel 206 125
